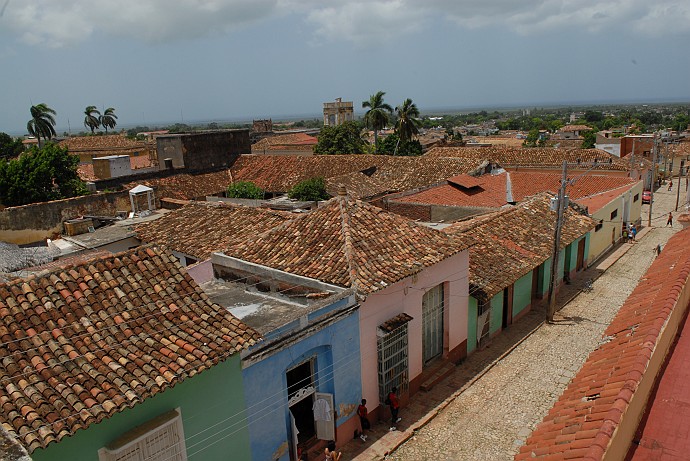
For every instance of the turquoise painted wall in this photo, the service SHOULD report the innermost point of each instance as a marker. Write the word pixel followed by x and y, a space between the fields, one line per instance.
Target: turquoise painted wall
pixel 471 325
pixel 546 276
pixel 496 312
pixel 522 293
pixel 212 397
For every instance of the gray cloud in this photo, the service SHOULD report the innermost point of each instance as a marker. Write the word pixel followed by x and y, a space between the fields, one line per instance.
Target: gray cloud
pixel 57 24
pixel 363 22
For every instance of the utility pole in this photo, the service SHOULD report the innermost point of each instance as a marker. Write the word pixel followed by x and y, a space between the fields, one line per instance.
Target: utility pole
pixel 651 197
pixel 551 309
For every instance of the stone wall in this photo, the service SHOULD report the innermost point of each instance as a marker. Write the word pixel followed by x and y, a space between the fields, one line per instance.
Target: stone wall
pixel 203 151
pixel 38 221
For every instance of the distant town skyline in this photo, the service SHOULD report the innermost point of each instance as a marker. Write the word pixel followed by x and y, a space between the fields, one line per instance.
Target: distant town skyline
pixel 162 62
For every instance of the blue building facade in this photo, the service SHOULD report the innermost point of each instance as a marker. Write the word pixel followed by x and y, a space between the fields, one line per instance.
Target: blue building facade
pixel 303 382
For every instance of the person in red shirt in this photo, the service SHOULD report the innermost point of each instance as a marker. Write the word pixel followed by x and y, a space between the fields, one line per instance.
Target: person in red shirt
pixel 363 418
pixel 394 404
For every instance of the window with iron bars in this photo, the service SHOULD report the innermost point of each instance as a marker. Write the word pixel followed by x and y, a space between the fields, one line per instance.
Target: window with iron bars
pixel 393 362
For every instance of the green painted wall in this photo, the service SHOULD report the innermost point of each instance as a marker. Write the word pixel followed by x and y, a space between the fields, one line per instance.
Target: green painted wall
pixel 546 277
pixel 212 397
pixel 472 325
pixel 522 293
pixel 496 313
pixel 587 239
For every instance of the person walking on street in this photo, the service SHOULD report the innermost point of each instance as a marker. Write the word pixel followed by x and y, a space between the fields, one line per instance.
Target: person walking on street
pixel 670 185
pixel 670 219
pixel 633 232
pixel 394 403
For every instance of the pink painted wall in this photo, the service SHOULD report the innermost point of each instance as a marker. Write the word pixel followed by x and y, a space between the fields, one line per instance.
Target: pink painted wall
pixel 406 296
pixel 201 272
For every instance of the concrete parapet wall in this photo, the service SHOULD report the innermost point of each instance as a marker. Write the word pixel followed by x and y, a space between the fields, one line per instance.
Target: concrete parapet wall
pixel 38 221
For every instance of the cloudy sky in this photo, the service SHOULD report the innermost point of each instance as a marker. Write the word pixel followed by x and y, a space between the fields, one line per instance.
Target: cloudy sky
pixel 173 60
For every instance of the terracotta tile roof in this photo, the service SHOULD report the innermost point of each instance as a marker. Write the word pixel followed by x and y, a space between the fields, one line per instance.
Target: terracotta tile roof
pixel 70 260
pixel 598 201
pixel 568 128
pixel 110 142
pixel 466 181
pixel 583 420
pixel 349 243
pixel 200 228
pixel 187 186
pixel 535 157
pixel 83 343
pixel 358 185
pixel 281 173
pixel 508 244
pixel 490 190
pixel 292 141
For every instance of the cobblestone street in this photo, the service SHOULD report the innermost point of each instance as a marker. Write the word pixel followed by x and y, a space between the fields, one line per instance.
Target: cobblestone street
pixel 489 417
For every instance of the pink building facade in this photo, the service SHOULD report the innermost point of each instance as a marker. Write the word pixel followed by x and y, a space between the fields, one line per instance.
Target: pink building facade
pixel 429 326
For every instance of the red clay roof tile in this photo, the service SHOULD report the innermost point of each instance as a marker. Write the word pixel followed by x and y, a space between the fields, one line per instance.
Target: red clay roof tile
pixel 350 244
pixel 104 344
pixel 200 228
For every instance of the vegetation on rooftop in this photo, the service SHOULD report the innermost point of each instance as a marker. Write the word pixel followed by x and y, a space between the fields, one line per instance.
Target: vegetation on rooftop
pixel 309 190
pixel 245 189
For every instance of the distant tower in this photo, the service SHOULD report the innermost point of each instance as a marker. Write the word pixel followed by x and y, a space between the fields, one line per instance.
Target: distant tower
pixel 338 112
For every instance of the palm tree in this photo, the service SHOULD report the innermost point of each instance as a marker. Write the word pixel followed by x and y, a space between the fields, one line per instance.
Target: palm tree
pixel 42 123
pixel 92 118
pixel 108 118
pixel 407 124
pixel 377 115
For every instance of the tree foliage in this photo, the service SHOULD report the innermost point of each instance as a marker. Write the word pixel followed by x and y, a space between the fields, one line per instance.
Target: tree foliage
pixel 39 175
pixel 407 125
pixel 245 189
pixel 378 115
pixel 108 119
pixel 393 145
pixel 9 147
pixel 42 123
pixel 92 118
pixel 341 139
pixel 589 139
pixel 309 190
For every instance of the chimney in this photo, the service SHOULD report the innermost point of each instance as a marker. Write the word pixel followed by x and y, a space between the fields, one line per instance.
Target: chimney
pixel 342 190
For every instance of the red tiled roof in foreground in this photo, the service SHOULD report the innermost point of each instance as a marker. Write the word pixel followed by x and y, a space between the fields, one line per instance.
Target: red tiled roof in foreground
pixel 593 410
pixel 200 228
pixel 663 433
pixel 350 244
pixel 83 343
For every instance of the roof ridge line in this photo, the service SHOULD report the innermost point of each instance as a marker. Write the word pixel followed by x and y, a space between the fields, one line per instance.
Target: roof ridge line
pixel 347 245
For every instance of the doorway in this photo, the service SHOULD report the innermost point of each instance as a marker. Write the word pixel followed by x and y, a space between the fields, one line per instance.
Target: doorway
pixel 301 399
pixel 432 323
pixel 580 255
pixel 508 306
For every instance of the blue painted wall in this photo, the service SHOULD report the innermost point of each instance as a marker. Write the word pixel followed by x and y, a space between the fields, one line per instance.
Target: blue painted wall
pixel 338 372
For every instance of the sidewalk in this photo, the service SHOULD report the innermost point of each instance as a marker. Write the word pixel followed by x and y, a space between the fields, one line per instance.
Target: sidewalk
pixel 425 406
